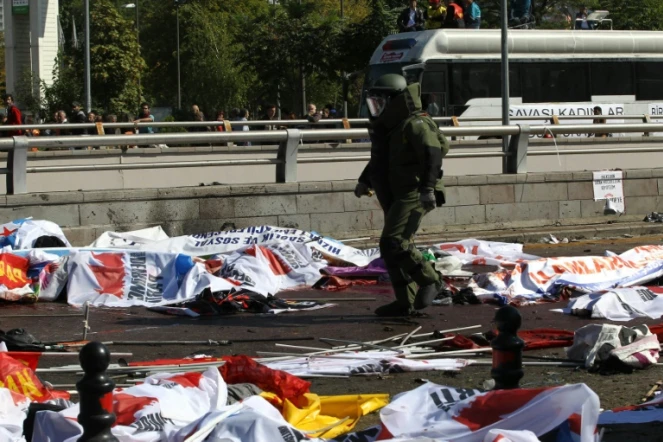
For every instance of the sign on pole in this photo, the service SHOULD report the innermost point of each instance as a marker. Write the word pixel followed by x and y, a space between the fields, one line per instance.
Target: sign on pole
pixel 20 7
pixel 608 185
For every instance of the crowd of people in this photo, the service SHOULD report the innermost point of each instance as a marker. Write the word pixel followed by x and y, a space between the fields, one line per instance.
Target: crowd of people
pixel 454 14
pixel 448 14
pixel 14 117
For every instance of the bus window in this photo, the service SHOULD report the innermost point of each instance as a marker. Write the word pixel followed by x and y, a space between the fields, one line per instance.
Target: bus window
pixel 555 82
pixel 649 83
pixel 612 78
pixel 481 80
pixel 433 91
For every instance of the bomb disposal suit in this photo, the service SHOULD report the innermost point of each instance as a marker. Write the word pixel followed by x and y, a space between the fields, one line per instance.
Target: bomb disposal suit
pixel 405 171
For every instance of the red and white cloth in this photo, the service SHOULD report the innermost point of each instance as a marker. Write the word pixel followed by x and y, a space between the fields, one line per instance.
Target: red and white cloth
pixel 149 412
pixel 271 268
pixel 468 415
pixel 479 252
pixel 651 411
pixel 618 304
pixel 13 411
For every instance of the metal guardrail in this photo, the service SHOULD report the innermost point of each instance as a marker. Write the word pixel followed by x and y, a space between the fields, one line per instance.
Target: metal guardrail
pixel 347 123
pixel 288 140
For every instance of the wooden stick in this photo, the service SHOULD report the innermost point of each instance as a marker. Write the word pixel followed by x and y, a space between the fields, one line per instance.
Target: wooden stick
pixel 332 299
pixel 73 354
pixel 410 335
pixel 451 353
pixel 86 321
pixel 423 335
pixel 652 390
pixel 115 368
pixel 532 363
pixel 301 347
pixel 414 344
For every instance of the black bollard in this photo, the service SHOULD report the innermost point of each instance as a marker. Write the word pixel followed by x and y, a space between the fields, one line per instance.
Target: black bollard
pixel 96 394
pixel 507 349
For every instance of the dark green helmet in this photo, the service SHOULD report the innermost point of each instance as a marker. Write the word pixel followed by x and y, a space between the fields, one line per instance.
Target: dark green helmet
pixel 389 84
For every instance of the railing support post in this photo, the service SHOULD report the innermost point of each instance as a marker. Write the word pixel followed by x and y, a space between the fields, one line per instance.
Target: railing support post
pixel 515 160
pixel 646 120
pixel 17 162
pixel 286 170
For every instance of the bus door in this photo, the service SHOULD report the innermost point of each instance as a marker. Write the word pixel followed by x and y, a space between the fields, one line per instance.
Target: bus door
pixel 434 90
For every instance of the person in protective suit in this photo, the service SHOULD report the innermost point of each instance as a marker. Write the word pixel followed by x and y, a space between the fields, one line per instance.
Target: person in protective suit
pixel 405 171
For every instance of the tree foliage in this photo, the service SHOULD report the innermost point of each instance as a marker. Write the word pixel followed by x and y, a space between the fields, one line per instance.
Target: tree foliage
pixel 286 42
pixel 240 53
pixel 115 60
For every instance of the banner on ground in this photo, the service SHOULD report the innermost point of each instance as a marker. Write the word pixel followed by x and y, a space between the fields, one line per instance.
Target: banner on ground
pixel 22 233
pixel 364 362
pixel 224 242
pixel 479 252
pixel 152 411
pixel 651 411
pixel 460 414
pixel 130 240
pixel 21 379
pixel 533 280
pixel 13 411
pixel 122 279
pixel 618 305
pixel 271 268
pixel 14 282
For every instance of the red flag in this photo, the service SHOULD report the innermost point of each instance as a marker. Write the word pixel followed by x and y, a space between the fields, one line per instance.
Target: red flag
pixel 29 358
pixel 15 376
pixel 13 271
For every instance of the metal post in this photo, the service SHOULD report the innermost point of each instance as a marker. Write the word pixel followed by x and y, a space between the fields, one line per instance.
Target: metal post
pixel 140 91
pixel 516 160
pixel 286 170
pixel 343 76
pixel 304 110
pixel 179 86
pixel 505 74
pixel 17 161
pixel 88 87
pixel 278 101
pixel 303 77
pixel 95 390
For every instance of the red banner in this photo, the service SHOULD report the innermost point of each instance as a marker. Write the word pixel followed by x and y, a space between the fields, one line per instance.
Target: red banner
pixel 13 271
pixel 15 376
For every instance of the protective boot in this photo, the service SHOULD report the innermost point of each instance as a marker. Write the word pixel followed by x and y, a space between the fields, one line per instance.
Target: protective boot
pixel 394 309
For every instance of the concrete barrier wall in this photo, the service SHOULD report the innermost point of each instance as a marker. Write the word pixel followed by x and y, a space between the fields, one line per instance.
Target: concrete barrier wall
pixel 545 156
pixel 476 202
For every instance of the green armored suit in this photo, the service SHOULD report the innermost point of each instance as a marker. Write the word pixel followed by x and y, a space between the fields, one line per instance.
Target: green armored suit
pixel 405 171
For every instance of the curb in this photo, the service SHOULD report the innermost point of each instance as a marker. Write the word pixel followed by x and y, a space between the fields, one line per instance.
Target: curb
pixel 534 235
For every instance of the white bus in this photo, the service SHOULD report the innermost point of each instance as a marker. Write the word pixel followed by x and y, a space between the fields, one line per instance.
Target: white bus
pixel 564 73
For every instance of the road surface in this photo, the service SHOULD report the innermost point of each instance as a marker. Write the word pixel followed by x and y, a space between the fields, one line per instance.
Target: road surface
pixel 349 319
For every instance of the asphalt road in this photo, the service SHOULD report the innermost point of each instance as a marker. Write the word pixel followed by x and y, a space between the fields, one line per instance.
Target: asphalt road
pixel 350 319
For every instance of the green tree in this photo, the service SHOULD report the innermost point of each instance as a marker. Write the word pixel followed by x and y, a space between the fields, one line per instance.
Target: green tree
pixel 642 15
pixel 290 40
pixel 359 40
pixel 116 66
pixel 115 60
pixel 211 36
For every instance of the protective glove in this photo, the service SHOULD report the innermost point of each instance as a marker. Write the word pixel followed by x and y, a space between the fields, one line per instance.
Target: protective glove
pixel 362 190
pixel 427 199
